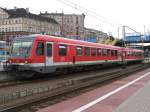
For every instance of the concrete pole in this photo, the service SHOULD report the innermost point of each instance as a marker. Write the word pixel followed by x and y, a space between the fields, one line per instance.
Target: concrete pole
pixel 123 35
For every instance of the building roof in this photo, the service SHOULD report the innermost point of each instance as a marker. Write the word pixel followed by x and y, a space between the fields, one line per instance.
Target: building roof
pixel 60 14
pixel 21 12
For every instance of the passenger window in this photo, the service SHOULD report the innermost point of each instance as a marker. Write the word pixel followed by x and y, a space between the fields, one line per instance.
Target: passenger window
pixel 49 49
pixel 103 52
pixel 98 52
pixel 108 52
pixel 112 53
pixel 116 53
pixel 127 53
pixel 40 49
pixel 79 51
pixel 87 51
pixel 62 50
pixel 93 53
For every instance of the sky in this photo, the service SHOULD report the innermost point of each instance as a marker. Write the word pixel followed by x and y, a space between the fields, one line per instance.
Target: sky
pixel 105 15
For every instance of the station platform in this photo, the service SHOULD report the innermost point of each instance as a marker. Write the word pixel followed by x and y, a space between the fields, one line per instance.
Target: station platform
pixel 1 66
pixel 130 94
pixel 139 102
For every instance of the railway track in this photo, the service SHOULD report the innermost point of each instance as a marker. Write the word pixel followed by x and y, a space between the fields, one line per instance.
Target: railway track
pixel 72 84
pixel 14 81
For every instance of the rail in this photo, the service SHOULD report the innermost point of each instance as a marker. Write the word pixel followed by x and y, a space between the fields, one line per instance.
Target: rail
pixel 39 93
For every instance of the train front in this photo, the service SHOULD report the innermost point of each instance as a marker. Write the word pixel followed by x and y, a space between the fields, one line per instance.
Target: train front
pixel 20 56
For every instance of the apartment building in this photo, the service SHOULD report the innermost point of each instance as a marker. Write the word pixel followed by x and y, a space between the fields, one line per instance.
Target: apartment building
pixel 70 24
pixel 19 21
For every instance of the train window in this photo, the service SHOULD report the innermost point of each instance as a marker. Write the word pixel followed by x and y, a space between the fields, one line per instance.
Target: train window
pixel 103 52
pixel 49 49
pixel 40 49
pixel 79 51
pixel 112 53
pixel 98 52
pixel 108 52
pixel 116 53
pixel 87 51
pixel 62 50
pixel 136 53
pixel 128 53
pixel 133 53
pixel 93 52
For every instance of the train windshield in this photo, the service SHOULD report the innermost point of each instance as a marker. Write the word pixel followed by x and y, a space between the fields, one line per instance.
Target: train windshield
pixel 21 48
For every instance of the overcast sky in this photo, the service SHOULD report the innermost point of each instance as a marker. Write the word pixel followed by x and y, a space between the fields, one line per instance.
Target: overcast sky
pixel 105 15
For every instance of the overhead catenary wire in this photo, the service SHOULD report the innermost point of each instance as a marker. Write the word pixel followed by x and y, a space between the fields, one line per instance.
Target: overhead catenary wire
pixel 88 12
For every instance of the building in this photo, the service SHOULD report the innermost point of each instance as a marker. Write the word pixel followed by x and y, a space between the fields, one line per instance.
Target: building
pixel 19 21
pixel 71 24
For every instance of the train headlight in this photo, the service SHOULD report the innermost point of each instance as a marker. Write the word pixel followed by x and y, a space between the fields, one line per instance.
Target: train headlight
pixel 10 61
pixel 26 62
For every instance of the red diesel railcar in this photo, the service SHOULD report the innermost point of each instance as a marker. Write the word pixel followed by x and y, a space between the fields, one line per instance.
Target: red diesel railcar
pixel 46 54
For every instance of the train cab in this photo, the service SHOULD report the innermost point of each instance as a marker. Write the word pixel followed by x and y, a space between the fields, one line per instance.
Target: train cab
pixel 31 53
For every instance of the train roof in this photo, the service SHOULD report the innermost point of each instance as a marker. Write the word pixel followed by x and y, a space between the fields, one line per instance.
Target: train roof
pixel 73 41
pixel 70 41
pixel 131 49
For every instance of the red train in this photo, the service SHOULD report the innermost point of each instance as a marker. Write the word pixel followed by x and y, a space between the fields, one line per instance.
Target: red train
pixel 47 54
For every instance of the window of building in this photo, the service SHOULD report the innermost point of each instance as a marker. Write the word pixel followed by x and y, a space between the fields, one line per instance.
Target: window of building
pixel 98 51
pixel 103 52
pixel 40 49
pixel 62 50
pixel 20 21
pixel 79 51
pixel 87 51
pixel 16 21
pixel 93 52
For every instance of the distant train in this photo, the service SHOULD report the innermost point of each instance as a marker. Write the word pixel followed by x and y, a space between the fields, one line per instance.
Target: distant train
pixel 4 51
pixel 47 54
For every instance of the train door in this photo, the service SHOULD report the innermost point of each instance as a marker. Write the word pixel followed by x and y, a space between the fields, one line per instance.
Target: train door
pixel 49 54
pixel 120 56
pixel 72 54
pixel 123 56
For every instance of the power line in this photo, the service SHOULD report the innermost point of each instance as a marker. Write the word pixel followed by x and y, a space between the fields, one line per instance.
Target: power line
pixel 86 11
